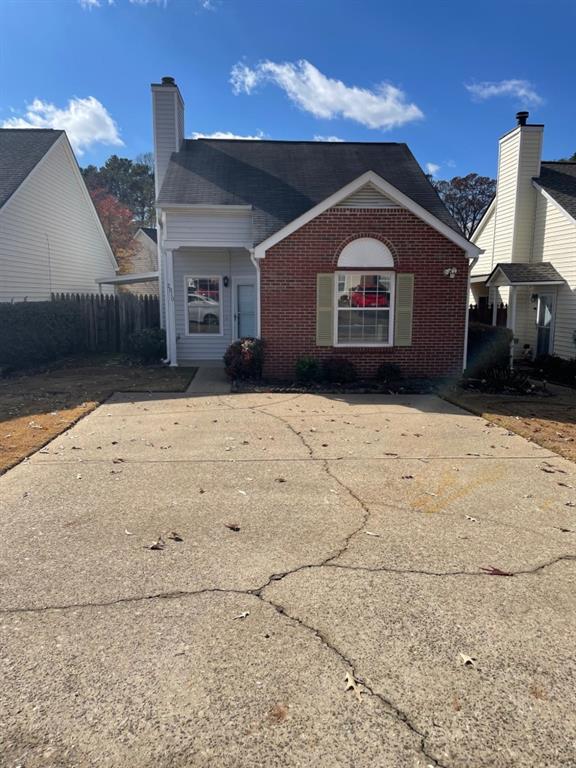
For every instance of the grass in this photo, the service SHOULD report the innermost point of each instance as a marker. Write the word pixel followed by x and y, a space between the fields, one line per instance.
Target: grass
pixel 36 407
pixel 547 421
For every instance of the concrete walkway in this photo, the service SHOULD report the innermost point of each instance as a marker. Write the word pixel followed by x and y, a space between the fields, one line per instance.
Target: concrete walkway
pixel 339 581
pixel 209 380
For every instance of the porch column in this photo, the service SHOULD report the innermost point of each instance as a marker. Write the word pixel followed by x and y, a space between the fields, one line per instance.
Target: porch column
pixel 494 292
pixel 511 319
pixel 170 310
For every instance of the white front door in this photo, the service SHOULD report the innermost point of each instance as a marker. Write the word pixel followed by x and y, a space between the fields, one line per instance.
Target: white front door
pixel 244 298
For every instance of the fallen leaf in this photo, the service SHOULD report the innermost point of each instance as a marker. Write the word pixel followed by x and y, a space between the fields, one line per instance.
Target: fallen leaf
pixel 280 480
pixel 472 519
pixel 127 532
pixel 158 544
pixel 242 492
pixel 232 526
pixel 175 536
pixel 565 485
pixel 468 661
pixel 571 503
pixel 370 533
pixel 279 713
pixel 407 477
pixel 243 615
pixel 352 684
pixel 492 571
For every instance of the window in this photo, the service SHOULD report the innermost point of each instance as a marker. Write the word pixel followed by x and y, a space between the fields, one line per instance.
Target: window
pixel 364 307
pixel 203 305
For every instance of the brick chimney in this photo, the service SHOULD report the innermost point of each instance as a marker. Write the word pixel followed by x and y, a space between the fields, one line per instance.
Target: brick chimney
pixel 168 125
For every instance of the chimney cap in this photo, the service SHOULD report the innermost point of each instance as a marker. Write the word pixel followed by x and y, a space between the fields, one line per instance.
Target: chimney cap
pixel 172 82
pixel 522 117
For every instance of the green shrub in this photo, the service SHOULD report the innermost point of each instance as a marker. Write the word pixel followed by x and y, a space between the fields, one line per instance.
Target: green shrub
pixel 147 345
pixel 36 332
pixel 308 370
pixel 488 348
pixel 244 359
pixel 338 370
pixel 556 368
pixel 388 372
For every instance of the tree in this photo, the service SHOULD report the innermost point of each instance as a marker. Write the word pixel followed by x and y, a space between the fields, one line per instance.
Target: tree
pixel 118 224
pixel 131 182
pixel 467 198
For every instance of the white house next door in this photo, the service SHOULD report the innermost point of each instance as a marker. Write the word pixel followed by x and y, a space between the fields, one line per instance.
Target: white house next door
pixel 244 308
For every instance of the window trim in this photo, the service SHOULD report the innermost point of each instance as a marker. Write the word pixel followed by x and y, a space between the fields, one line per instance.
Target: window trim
pixel 220 306
pixel 390 342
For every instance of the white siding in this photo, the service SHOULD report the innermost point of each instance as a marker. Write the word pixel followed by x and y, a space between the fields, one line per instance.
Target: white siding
pixel 555 241
pixel 191 262
pixel 143 259
pixel 485 240
pixel 528 168
pixel 367 197
pixel 168 113
pixel 220 228
pixel 50 236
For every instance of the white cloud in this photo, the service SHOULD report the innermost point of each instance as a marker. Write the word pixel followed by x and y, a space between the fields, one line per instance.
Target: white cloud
pixel 383 107
pixel 522 90
pixel 164 3
pixel 331 139
pixel 89 4
pixel 86 122
pixel 432 168
pixel 227 135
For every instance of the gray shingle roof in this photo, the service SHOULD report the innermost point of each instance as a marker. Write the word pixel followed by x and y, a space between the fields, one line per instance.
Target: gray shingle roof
pixel 281 180
pixel 150 231
pixel 559 180
pixel 543 272
pixel 20 151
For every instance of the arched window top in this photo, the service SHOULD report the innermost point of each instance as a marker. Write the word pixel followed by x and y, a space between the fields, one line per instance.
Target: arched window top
pixel 366 252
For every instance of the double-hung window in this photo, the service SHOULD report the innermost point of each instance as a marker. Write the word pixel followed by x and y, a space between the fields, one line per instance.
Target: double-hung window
pixel 364 306
pixel 203 297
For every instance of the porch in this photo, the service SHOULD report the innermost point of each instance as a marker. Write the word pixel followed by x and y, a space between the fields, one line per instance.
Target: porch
pixel 521 297
pixel 211 300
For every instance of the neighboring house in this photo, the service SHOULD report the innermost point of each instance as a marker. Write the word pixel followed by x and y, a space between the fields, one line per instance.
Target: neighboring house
pixel 51 239
pixel 322 249
pixel 528 235
pixel 143 263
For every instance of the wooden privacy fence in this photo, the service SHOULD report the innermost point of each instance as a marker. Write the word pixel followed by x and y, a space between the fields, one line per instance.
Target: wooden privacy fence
pixel 109 320
pixel 482 313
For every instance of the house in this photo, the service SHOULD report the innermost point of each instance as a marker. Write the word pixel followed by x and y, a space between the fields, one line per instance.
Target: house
pixel 51 239
pixel 322 249
pixel 528 235
pixel 142 263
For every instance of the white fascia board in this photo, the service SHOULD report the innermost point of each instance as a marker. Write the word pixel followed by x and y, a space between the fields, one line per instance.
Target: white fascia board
pixel 492 278
pixel 387 189
pixel 172 245
pixel 203 207
pixel 484 220
pixel 142 277
pixel 555 203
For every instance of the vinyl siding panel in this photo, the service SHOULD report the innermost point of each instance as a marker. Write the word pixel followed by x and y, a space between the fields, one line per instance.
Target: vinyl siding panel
pixel 50 237
pixel 143 259
pixel 529 167
pixel 223 228
pixel 207 262
pixel 367 197
pixel 506 197
pixel 485 240
pixel 164 102
pixel 555 241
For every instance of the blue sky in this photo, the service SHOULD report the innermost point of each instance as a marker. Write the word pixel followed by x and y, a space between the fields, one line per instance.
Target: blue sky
pixel 444 77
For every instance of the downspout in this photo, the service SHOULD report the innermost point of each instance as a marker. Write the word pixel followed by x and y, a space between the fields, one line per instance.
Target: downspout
pixel 256 263
pixel 471 266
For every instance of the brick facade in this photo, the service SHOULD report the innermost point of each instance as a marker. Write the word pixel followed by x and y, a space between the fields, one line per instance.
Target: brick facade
pixel 288 293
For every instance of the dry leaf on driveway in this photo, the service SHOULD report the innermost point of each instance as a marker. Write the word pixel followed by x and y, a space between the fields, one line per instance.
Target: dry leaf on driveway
pixel 233 526
pixel 175 536
pixel 492 571
pixel 352 684
pixel 468 661
pixel 243 615
pixel 157 545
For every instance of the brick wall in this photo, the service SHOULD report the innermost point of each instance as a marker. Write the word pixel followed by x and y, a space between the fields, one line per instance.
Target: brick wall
pixel 288 293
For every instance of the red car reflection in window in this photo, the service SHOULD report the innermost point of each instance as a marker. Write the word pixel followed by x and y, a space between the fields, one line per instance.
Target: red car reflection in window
pixel 374 295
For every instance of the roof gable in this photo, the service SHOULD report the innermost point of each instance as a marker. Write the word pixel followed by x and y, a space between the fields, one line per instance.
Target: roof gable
pixel 282 180
pixel 558 179
pixel 21 149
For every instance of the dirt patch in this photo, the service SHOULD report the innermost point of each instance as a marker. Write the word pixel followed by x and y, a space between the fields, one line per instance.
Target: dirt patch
pixel 547 421
pixel 35 408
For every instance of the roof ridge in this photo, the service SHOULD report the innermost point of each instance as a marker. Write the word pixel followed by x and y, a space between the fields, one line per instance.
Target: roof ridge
pixel 558 162
pixel 298 141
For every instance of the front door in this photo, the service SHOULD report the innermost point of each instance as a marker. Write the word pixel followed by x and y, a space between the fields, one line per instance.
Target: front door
pixel 245 308
pixel 544 320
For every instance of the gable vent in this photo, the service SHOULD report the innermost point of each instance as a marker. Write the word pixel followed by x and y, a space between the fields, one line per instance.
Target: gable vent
pixel 367 197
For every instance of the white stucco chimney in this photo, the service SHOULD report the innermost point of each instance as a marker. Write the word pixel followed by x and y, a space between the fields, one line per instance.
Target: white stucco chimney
pixel 168 123
pixel 520 152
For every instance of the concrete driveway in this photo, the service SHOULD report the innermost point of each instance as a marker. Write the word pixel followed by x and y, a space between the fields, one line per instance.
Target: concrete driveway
pixel 396 547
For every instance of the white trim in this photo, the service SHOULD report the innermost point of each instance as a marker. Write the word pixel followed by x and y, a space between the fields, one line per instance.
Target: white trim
pixel 258 289
pixel 175 244
pixel 135 277
pixel 236 281
pixel 554 295
pixel 204 207
pixel 391 308
pixel 170 305
pixel 555 203
pixel 366 252
pixel 387 189
pixel 220 306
